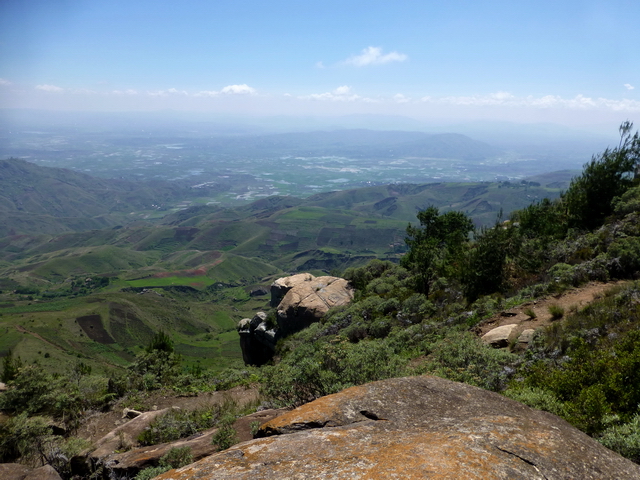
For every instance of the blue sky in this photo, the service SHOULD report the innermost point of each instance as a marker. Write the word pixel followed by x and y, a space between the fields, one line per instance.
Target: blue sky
pixel 564 61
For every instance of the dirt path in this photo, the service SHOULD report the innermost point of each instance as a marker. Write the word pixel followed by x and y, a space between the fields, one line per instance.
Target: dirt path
pixel 576 298
pixel 33 334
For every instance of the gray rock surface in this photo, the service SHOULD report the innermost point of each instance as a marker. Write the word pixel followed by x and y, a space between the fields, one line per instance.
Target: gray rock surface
pixel 414 428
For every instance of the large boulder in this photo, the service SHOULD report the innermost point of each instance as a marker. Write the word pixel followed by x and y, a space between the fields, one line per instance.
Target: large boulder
pixel 307 299
pixel 419 427
pixel 500 337
pixel 281 286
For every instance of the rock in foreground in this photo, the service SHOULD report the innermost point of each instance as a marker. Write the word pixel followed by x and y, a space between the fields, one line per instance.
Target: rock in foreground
pixel 418 427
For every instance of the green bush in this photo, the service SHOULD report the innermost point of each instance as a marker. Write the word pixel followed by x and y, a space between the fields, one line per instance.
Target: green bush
pixel 462 357
pixel 556 311
pixel 315 369
pixel 537 398
pixel 226 436
pixel 624 439
pixel 626 254
pixel 176 424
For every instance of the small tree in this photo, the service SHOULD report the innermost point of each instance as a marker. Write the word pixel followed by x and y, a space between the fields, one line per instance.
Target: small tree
pixel 435 246
pixel 606 176
pixel 10 367
pixel 485 267
pixel 158 363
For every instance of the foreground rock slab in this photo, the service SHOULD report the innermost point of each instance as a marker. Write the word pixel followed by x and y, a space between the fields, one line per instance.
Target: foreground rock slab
pixel 414 428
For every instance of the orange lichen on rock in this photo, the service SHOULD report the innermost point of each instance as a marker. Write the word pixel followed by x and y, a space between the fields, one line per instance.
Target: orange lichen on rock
pixel 414 428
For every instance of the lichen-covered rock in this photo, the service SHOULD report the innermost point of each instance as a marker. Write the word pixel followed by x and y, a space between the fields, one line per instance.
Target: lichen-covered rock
pixel 414 428
pixel 308 300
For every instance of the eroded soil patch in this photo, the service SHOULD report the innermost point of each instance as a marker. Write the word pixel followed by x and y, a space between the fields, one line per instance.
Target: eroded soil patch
pixel 93 328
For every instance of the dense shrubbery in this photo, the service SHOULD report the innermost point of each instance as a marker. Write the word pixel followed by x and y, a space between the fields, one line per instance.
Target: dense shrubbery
pixel 587 369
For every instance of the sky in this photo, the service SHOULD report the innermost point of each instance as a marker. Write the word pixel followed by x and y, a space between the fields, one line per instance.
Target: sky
pixel 563 61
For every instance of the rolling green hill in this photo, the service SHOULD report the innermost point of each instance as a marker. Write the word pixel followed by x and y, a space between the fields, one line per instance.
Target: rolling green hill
pixel 201 262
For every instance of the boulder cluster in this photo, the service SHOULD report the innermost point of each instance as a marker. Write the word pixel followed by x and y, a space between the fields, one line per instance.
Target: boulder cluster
pixel 300 300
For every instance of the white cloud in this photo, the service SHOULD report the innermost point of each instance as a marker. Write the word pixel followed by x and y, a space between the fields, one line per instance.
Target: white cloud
pixel 49 88
pixel 243 89
pixel 340 94
pixel 207 93
pixel 506 99
pixel 374 56
pixel 4 82
pixel 342 90
pixel 130 91
pixel 400 98
pixel 166 93
pixel 628 86
pixel 319 65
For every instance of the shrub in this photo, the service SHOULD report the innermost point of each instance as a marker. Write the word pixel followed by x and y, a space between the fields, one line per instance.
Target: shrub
pixel 176 424
pixel 319 368
pixel 462 357
pixel 530 312
pixel 175 458
pixel 255 427
pixel 623 439
pixel 556 311
pixel 537 398
pixel 225 437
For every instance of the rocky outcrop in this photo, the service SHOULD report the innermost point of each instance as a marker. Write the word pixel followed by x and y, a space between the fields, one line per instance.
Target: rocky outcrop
pixel 419 427
pixel 257 339
pixel 123 437
pixel 307 299
pixel 15 471
pixel 301 300
pixel 128 464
